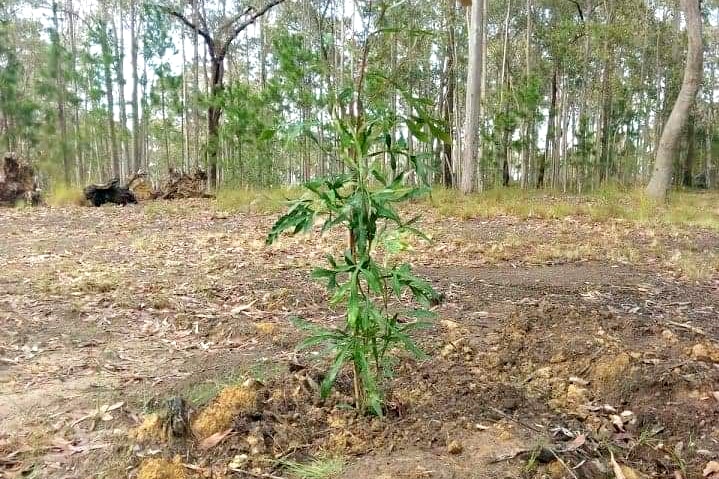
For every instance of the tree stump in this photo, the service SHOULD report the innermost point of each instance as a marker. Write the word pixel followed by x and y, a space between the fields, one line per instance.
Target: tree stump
pixel 179 185
pixel 17 181
pixel 110 192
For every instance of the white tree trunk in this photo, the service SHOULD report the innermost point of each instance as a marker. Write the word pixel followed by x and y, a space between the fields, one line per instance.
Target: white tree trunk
pixel 470 155
pixel 671 135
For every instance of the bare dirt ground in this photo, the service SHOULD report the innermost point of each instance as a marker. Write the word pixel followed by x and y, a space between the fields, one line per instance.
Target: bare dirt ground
pixel 561 344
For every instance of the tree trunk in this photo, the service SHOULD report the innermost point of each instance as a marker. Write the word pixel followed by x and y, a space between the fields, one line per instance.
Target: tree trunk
pixel 119 38
pixel 527 142
pixel 693 70
pixel 504 77
pixel 471 157
pixel 214 112
pixel 107 61
pixel 135 161
pixel 60 85
pixel 688 176
pixel 549 140
pixel 604 156
pixel 80 164
pixel 447 163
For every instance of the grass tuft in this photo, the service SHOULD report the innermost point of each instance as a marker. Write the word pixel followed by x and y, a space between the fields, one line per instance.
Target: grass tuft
pixel 607 204
pixel 249 200
pixel 315 469
pixel 63 195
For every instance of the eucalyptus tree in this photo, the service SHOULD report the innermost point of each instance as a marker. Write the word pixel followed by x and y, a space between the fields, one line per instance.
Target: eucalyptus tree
pixel 671 134
pixel 471 154
pixel 218 32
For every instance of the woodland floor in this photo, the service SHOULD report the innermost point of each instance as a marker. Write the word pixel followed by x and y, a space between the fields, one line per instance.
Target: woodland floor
pixel 551 329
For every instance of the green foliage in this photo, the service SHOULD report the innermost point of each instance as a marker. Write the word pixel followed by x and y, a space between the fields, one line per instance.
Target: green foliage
pixel 364 202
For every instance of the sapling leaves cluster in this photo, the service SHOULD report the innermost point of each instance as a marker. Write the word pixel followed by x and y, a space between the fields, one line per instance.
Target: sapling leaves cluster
pixel 363 201
pixel 380 171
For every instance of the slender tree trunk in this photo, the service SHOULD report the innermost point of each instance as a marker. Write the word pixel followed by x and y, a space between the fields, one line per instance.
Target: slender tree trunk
pixel 60 85
pixel 471 158
pixel 447 153
pixel 527 142
pixel 185 114
pixel 136 134
pixel 119 38
pixel 504 78
pixel 604 156
pixel 214 112
pixel 79 155
pixel 165 124
pixel 549 140
pixel 688 176
pixel 196 85
pixel 662 175
pixel 107 60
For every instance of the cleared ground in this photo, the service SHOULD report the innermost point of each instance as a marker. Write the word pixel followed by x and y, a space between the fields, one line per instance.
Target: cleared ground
pixel 551 329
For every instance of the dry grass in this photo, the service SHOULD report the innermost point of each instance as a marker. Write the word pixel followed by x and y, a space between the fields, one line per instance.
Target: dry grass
pixel 63 195
pixel 696 266
pixel 249 200
pixel 610 203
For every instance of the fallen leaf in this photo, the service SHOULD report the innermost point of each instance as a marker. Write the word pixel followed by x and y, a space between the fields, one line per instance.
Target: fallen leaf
pixel 578 381
pixel 112 407
pixel 576 443
pixel 214 440
pixel 711 468
pixel 617 422
pixel 618 474
pixel 449 324
pixel 241 308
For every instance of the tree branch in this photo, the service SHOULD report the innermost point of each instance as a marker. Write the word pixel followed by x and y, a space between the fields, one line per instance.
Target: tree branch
pixel 200 31
pixel 254 16
pixel 579 9
pixel 228 24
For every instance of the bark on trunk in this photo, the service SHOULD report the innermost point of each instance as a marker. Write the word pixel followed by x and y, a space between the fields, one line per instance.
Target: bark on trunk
pixel 688 180
pixel 549 141
pixel 214 112
pixel 471 156
pixel 662 175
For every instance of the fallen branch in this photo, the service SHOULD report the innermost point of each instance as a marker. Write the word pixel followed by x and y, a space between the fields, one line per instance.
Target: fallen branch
pixel 527 426
pixel 687 327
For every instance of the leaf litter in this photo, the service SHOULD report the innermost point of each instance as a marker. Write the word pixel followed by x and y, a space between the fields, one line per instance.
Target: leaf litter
pixel 143 303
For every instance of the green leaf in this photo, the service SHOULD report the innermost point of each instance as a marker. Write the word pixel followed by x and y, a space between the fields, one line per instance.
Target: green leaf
pixel 335 368
pixel 299 218
pixel 417 131
pixel 353 306
pixel 372 275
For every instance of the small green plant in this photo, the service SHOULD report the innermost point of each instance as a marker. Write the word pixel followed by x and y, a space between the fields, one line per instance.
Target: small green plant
pixel 363 202
pixel 380 171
